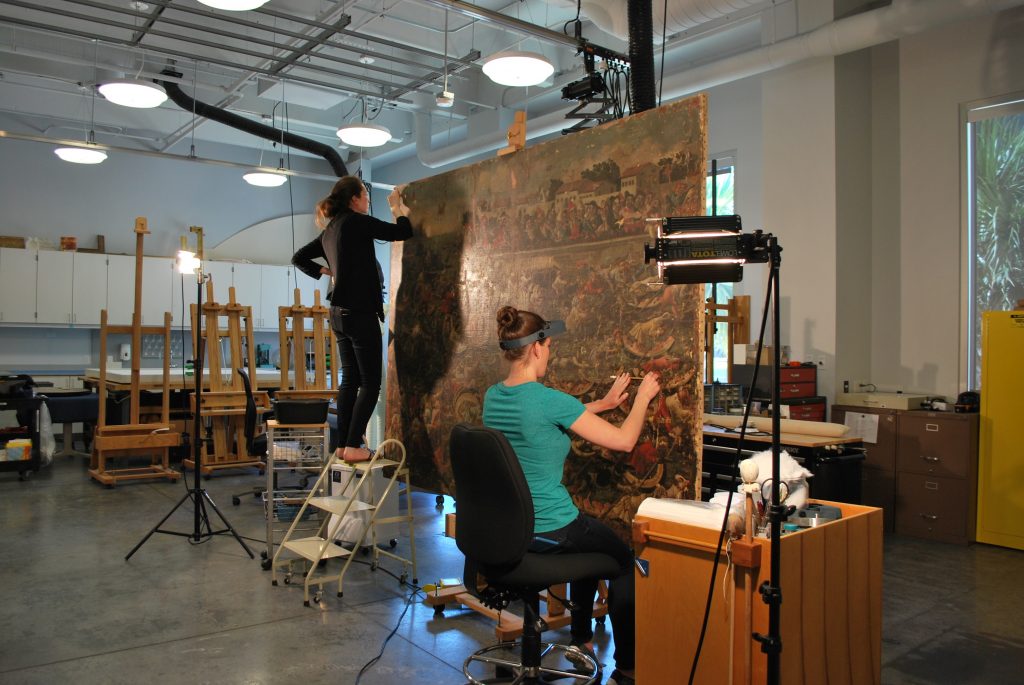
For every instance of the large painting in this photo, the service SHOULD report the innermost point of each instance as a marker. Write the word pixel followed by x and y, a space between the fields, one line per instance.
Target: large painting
pixel 558 229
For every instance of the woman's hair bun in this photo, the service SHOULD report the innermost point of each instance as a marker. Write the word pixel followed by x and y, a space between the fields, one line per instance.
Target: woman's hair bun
pixel 507 316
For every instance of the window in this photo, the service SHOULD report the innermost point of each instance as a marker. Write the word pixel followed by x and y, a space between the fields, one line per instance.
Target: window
pixel 995 189
pixel 721 186
pixel 720 200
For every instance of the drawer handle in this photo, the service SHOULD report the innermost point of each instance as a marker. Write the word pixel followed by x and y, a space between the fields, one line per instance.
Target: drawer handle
pixel 931 485
pixel 931 427
pixel 933 460
pixel 929 517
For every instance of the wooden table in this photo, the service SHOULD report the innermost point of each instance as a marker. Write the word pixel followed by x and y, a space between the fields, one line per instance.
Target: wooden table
pixel 150 379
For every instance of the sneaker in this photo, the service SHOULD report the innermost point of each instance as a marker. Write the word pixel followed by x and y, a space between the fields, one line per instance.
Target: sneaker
pixel 619 678
pixel 577 656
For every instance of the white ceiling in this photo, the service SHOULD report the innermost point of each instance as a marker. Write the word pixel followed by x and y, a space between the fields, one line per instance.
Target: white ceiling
pixel 293 63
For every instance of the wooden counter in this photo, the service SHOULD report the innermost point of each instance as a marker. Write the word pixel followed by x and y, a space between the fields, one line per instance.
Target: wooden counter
pixel 831 604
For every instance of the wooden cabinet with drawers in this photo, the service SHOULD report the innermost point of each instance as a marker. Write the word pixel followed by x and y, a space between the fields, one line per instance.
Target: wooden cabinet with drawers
pixel 937 463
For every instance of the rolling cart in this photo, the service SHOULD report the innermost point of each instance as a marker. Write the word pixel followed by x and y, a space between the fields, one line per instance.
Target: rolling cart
pixel 296 453
pixel 22 405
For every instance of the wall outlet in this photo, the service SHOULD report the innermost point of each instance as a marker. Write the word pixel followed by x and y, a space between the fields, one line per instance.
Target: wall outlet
pixel 846 386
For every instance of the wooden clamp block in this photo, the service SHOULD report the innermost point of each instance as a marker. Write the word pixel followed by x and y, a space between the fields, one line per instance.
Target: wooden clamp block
pixel 640 532
pixel 745 554
pixel 516 134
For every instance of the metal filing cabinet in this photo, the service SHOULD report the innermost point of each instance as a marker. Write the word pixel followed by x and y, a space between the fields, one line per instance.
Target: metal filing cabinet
pixel 878 474
pixel 937 466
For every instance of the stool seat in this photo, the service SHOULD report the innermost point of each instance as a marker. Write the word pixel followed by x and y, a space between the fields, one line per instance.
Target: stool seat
pixel 68 409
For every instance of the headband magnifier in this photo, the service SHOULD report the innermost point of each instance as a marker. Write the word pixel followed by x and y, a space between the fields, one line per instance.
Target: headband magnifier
pixel 550 330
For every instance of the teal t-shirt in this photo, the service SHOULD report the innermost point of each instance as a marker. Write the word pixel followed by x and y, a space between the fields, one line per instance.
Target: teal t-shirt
pixel 535 419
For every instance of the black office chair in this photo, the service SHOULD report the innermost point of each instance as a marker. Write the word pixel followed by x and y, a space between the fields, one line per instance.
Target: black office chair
pixel 493 528
pixel 256 445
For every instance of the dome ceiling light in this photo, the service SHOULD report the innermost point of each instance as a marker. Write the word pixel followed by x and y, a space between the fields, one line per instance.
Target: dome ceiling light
pixel 515 68
pixel 133 93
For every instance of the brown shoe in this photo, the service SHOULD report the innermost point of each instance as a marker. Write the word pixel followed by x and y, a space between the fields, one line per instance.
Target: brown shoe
pixel 354 455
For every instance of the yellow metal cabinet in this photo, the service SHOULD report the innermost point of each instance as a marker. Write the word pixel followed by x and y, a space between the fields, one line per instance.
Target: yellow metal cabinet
pixel 1001 457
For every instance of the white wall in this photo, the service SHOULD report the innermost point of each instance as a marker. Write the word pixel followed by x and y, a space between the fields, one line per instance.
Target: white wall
pixel 46 198
pixel 798 127
pixel 939 71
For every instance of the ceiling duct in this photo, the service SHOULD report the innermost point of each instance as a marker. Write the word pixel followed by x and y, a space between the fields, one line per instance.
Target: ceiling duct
pixel 612 16
pixel 641 57
pixel 178 96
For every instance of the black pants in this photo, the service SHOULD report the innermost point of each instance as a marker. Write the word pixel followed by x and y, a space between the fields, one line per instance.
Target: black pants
pixel 587 534
pixel 360 353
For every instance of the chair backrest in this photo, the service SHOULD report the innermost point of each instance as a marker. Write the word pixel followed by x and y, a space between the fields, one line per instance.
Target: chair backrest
pixel 250 412
pixel 494 509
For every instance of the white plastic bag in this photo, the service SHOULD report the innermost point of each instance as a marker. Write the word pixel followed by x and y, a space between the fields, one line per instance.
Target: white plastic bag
pixel 47 443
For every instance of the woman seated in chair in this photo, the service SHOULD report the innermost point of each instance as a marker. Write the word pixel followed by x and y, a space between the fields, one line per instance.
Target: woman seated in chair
pixel 536 420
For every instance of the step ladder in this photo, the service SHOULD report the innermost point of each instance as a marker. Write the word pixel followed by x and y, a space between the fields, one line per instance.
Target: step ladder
pixel 358 497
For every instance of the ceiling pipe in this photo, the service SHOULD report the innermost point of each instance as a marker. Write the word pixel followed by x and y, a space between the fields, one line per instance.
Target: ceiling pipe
pixel 902 18
pixel 178 96
pixel 611 16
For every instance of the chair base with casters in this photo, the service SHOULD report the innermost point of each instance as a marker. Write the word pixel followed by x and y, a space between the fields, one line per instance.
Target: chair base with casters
pixel 539 662
pixel 494 529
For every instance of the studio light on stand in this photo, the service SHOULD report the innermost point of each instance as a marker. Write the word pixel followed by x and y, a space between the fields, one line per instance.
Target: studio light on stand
pixel 189 262
pixel 713 249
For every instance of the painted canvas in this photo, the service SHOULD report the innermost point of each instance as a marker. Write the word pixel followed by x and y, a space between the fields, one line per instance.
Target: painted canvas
pixel 558 229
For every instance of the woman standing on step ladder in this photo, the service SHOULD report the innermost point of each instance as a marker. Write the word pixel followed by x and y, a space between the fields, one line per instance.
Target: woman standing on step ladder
pixel 357 301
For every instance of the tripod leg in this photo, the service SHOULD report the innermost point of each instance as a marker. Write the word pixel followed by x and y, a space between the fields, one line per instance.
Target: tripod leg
pixel 157 526
pixel 248 551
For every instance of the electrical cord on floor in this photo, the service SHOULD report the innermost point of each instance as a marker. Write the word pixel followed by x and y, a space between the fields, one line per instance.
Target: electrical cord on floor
pixel 732 485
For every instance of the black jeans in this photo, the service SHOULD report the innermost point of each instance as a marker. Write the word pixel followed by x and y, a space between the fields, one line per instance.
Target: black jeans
pixel 587 534
pixel 360 355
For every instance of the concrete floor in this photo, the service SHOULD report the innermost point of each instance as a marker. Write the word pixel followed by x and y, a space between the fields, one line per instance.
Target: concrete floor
pixel 75 611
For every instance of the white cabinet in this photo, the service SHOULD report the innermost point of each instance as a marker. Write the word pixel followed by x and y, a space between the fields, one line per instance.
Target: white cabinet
pixel 120 289
pixel 89 288
pixel 220 275
pixel 54 274
pixel 17 285
pixel 275 291
pixel 246 281
pixel 156 289
pixel 309 286
pixel 182 286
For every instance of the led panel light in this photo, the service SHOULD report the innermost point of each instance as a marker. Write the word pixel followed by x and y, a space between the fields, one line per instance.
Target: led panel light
pixel 265 179
pixel 133 93
pixel 364 135
pixel 81 155
pixel 512 68
pixel 233 5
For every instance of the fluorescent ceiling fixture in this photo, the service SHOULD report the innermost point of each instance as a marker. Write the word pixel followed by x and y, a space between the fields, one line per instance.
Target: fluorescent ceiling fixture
pixel 265 179
pixel 364 135
pixel 510 68
pixel 81 155
pixel 133 93
pixel 233 5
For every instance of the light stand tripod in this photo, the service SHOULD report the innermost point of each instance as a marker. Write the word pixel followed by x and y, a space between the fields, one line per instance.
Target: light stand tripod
pixel 713 249
pixel 201 527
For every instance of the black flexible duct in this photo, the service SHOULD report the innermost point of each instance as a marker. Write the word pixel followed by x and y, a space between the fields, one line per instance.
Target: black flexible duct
pixel 641 56
pixel 177 95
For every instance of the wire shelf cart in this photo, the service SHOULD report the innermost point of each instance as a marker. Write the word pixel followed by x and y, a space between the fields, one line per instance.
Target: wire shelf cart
pixel 296 453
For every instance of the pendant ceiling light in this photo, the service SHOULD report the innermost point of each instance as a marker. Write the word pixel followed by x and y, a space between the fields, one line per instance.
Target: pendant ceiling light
pixel 81 155
pixel 514 68
pixel 88 153
pixel 364 134
pixel 265 179
pixel 134 93
pixel 233 5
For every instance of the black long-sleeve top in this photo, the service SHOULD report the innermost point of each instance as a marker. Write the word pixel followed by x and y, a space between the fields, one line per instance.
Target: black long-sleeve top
pixel 347 245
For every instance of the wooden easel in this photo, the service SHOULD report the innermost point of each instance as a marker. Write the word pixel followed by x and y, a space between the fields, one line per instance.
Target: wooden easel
pixel 296 334
pixel 224 403
pixel 737 315
pixel 134 438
